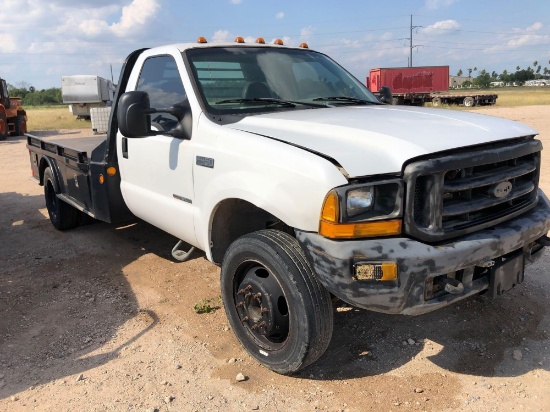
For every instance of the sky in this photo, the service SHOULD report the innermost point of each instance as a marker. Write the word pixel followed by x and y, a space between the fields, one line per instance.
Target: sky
pixel 44 40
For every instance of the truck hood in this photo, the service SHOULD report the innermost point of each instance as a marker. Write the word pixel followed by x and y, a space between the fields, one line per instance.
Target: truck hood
pixel 368 140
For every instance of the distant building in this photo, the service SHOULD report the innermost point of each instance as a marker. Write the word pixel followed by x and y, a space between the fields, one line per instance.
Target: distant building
pixel 538 82
pixel 456 81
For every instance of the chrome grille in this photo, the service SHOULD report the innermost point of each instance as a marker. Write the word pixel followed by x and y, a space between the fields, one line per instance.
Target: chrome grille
pixel 459 193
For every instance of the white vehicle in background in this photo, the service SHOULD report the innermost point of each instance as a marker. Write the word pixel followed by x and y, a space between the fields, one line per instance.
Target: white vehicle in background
pixel 301 184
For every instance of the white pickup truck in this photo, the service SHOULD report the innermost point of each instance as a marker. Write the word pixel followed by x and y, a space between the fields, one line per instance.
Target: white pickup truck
pixel 286 171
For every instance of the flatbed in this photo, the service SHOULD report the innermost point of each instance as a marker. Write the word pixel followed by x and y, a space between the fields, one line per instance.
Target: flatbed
pixel 468 100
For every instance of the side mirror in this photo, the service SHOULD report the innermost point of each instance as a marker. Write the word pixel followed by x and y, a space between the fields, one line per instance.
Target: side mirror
pixel 133 114
pixel 385 95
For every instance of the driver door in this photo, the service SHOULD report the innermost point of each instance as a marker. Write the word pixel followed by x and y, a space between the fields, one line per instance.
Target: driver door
pixel 156 171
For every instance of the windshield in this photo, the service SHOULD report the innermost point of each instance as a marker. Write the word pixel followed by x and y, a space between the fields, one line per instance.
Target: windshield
pixel 234 80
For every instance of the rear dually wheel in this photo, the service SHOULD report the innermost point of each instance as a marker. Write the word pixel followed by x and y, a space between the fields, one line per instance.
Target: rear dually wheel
pixel 62 215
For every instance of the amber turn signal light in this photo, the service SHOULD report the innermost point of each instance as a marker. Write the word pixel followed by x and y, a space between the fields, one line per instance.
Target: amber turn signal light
pixel 360 229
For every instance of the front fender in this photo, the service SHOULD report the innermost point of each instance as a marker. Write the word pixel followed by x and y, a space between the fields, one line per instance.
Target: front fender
pixel 288 182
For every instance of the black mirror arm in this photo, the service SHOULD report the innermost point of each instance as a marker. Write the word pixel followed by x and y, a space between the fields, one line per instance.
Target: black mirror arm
pixel 178 111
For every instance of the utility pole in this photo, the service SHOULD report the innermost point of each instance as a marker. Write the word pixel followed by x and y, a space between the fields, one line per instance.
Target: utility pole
pixel 411 47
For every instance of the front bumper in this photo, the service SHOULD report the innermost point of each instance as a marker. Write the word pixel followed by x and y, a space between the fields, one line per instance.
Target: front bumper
pixel 421 266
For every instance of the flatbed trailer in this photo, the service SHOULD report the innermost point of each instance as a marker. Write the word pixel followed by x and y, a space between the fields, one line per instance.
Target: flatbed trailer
pixel 468 100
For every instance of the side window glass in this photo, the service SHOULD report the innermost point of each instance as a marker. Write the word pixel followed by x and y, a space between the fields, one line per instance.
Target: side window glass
pixel 161 79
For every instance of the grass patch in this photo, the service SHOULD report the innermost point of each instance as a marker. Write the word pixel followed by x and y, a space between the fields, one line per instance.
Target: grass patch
pixel 522 96
pixel 53 118
pixel 207 305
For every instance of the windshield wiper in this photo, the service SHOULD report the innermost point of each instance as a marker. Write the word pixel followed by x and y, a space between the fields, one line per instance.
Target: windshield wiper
pixel 262 100
pixel 269 100
pixel 344 99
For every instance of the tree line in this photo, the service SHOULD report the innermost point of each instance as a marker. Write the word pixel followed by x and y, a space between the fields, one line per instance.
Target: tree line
pixel 32 97
pixel 483 78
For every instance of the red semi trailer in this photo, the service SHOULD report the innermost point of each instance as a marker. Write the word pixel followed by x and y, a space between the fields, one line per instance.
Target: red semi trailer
pixel 417 85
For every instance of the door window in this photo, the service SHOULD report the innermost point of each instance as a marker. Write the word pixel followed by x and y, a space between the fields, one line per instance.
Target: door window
pixel 160 78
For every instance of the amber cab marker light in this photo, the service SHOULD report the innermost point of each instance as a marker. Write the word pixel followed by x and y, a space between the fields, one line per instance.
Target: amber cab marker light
pixel 239 39
pixel 304 46
pixel 201 40
pixel 260 40
pixel 278 42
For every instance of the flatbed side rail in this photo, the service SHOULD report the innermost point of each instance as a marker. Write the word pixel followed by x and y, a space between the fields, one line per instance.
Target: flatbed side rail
pixel 74 157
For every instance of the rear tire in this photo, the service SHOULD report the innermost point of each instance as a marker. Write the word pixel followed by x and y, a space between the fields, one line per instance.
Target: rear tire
pixel 279 311
pixel 3 127
pixel 62 215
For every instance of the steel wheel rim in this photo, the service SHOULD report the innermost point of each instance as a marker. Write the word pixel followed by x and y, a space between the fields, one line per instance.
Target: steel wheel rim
pixel 261 305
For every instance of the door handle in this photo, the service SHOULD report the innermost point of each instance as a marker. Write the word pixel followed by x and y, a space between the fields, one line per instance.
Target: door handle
pixel 125 147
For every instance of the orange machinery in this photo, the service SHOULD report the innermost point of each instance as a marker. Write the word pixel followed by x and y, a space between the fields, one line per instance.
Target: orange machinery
pixel 13 118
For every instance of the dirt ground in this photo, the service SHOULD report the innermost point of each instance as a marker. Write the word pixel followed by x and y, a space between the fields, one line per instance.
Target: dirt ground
pixel 101 318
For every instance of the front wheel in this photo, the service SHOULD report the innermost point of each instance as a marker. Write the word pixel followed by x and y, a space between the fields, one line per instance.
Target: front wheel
pixel 279 311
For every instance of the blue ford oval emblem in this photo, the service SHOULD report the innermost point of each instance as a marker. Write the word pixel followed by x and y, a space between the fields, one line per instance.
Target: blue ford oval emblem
pixel 502 189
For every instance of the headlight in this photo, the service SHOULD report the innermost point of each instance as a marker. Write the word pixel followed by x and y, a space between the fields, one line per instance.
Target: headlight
pixel 360 200
pixel 363 210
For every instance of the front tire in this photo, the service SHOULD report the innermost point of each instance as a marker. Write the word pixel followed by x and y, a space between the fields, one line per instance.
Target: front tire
pixel 62 215
pixel 279 311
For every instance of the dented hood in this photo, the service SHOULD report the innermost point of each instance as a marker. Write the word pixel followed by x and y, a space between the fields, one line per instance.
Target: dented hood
pixel 368 140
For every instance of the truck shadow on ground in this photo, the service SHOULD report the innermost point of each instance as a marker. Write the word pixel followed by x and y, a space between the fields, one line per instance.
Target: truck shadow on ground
pixel 64 295
pixel 475 337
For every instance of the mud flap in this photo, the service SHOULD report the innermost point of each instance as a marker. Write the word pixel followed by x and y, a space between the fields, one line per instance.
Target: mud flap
pixel 505 275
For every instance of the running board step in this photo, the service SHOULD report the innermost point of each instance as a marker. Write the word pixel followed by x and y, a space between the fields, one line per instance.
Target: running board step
pixel 181 255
